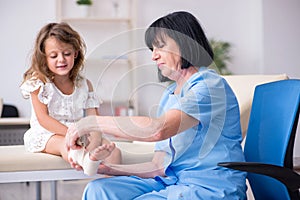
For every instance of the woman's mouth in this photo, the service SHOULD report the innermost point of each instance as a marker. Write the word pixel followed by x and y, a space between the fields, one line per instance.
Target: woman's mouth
pixel 159 65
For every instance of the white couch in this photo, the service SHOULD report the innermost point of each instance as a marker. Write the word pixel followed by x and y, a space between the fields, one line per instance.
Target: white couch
pixel 17 165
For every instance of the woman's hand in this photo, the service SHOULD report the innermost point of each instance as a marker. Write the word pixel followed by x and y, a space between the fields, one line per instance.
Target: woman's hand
pixel 71 138
pixel 80 128
pixel 103 169
pixel 74 164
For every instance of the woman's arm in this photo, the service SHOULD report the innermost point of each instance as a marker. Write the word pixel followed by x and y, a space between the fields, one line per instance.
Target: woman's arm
pixel 133 128
pixel 43 117
pixel 144 170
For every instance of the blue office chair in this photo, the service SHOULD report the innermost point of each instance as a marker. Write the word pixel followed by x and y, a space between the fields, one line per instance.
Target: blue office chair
pixel 270 141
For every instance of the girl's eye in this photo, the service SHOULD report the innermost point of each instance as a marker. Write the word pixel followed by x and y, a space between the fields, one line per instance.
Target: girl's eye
pixel 53 56
pixel 67 53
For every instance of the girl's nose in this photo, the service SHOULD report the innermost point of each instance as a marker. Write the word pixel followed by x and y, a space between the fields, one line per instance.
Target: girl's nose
pixel 61 57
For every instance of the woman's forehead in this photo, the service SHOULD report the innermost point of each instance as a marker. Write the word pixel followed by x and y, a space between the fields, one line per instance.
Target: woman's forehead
pixel 160 37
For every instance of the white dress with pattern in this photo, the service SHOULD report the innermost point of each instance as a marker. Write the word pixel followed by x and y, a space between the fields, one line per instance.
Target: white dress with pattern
pixel 65 108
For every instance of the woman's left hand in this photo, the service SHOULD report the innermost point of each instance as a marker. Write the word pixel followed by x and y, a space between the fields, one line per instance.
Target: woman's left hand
pixel 74 164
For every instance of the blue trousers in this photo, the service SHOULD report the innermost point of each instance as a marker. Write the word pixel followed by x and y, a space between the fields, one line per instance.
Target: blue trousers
pixel 123 187
pixel 135 188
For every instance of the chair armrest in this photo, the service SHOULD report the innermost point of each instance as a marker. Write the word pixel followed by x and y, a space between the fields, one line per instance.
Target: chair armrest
pixel 287 176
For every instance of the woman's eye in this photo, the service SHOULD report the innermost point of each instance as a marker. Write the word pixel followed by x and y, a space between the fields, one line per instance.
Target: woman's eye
pixel 161 45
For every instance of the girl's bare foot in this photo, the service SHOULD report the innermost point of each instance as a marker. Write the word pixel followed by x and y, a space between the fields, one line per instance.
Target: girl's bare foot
pixel 102 152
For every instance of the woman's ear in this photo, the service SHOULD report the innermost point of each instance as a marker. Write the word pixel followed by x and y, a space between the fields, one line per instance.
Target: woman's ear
pixel 76 54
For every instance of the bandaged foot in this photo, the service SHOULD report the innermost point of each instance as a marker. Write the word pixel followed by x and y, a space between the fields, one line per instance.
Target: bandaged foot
pixel 82 158
pixel 90 160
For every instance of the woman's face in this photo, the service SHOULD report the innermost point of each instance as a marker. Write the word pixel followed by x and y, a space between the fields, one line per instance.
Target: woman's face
pixel 60 56
pixel 167 56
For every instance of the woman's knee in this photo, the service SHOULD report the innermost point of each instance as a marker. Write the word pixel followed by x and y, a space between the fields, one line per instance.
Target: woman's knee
pixel 95 189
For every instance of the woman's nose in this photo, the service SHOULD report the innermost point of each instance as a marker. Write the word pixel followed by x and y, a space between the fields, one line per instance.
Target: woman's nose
pixel 155 54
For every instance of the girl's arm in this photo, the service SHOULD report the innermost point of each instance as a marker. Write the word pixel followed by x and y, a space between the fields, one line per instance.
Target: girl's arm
pixel 43 117
pixel 91 111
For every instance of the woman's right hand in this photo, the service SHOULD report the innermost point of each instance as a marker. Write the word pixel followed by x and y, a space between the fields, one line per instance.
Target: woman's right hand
pixel 80 128
pixel 71 138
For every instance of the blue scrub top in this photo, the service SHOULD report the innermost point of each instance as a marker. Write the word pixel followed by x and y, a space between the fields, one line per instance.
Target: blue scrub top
pixel 192 155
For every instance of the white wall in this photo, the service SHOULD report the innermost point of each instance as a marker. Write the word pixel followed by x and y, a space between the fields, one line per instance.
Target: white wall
pixel 20 21
pixel 281 37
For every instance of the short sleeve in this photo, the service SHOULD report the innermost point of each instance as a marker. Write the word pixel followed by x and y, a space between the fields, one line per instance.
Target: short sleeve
pixel 92 101
pixel 45 93
pixel 203 99
pixel 29 86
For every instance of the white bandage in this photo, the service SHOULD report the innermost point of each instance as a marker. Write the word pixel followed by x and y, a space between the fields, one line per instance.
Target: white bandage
pixel 82 158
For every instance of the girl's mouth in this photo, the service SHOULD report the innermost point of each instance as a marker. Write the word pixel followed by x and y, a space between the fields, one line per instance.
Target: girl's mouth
pixel 61 66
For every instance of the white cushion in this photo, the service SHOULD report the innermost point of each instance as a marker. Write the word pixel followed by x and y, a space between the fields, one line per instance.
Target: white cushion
pixel 16 158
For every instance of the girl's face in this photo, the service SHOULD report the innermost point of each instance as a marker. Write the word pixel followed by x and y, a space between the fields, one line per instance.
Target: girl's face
pixel 167 56
pixel 60 56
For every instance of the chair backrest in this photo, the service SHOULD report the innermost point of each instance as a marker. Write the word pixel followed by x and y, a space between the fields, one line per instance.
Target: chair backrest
pixel 271 134
pixel 9 111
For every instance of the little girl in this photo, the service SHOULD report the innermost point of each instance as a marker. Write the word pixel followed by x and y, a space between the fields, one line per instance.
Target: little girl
pixel 60 96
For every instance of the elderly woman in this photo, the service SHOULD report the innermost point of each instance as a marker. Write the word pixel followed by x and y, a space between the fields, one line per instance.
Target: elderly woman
pixel 197 126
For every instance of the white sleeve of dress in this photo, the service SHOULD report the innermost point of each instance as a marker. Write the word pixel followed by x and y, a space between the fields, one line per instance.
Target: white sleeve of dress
pixel 46 93
pixel 33 84
pixel 29 86
pixel 92 101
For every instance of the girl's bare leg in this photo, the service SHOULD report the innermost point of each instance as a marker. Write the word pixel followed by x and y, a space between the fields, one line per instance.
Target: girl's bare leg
pixel 56 146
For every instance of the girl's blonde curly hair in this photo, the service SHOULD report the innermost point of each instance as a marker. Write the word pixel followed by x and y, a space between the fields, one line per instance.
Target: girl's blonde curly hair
pixel 64 33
